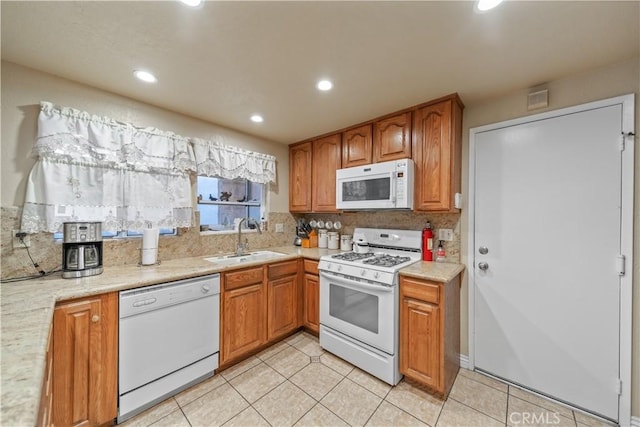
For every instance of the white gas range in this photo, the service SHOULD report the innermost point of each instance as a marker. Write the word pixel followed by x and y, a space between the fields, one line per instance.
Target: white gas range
pixel 359 299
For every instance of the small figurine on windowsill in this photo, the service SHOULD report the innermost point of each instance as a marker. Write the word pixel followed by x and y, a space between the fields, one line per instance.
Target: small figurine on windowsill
pixel 199 198
pixel 213 199
pixel 243 199
pixel 224 196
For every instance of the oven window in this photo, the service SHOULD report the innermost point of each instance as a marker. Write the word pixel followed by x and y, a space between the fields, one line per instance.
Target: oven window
pixel 354 307
pixel 367 189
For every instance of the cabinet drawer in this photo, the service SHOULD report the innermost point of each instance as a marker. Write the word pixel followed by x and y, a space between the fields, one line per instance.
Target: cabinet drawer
pixel 282 269
pixel 311 266
pixel 238 279
pixel 420 289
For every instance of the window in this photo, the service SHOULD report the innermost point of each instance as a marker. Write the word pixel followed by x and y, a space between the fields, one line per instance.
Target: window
pixel 223 202
pixel 121 234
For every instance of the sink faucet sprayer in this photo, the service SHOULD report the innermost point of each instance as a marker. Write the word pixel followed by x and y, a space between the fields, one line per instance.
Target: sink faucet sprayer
pixel 244 246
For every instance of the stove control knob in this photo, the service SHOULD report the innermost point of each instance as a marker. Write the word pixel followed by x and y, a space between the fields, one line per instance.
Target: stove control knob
pixel 339 268
pixel 363 272
pixel 376 275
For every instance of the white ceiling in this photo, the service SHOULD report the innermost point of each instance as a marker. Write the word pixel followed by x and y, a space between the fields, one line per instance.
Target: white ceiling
pixel 225 61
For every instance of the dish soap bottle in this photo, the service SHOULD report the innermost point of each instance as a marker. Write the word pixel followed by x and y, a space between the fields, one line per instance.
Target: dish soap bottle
pixel 440 256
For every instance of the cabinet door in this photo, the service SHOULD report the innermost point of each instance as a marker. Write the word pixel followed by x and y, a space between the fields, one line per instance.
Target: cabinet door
pixel 85 337
pixel 282 306
pixel 357 146
pixel 243 322
pixel 420 355
pixel 46 397
pixel 312 302
pixel 437 155
pixel 326 160
pixel 392 138
pixel 300 177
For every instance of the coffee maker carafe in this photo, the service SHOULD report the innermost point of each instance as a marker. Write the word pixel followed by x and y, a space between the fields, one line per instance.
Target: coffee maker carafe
pixel 81 249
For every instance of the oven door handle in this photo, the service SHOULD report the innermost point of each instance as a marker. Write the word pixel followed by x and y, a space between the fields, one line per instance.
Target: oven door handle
pixel 355 283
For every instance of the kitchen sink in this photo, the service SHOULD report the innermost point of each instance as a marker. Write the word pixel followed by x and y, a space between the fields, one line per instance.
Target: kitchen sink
pixel 248 257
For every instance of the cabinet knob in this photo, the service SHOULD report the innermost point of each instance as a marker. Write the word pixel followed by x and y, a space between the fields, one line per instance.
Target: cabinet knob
pixel 95 318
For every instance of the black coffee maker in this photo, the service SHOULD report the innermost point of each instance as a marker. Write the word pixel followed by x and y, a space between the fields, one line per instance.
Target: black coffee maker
pixel 81 249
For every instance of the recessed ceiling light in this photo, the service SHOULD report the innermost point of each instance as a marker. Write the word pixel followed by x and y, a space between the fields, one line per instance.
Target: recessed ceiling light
pixel 257 118
pixel 192 3
pixel 145 76
pixel 484 5
pixel 324 85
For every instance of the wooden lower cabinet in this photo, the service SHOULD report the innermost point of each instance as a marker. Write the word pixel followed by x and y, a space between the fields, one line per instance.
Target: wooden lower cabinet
pixel 243 313
pixel 46 397
pixel 311 290
pixel 430 332
pixel 85 353
pixel 282 299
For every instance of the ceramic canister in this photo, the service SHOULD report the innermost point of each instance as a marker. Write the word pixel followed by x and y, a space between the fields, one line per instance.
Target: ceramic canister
pixel 346 242
pixel 333 240
pixel 323 239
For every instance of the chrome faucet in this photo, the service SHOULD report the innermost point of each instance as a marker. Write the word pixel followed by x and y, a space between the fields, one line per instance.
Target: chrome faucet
pixel 241 247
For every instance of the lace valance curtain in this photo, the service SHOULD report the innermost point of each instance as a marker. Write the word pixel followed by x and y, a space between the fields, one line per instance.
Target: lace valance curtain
pixel 92 168
pixel 214 158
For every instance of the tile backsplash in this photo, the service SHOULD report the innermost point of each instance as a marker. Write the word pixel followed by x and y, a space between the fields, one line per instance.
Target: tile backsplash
pixel 403 220
pixel 191 242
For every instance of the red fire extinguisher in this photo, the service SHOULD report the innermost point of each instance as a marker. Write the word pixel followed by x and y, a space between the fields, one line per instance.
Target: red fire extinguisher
pixel 427 243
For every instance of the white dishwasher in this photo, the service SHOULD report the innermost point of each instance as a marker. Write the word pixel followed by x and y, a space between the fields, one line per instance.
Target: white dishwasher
pixel 169 339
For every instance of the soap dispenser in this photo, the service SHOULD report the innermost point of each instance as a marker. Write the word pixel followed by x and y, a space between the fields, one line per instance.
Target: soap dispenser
pixel 440 255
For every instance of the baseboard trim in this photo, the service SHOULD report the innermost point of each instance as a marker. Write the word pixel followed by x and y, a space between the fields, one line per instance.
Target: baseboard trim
pixel 635 421
pixel 464 362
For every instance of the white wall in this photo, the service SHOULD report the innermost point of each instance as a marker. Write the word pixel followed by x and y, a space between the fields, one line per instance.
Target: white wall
pixel 608 82
pixel 24 88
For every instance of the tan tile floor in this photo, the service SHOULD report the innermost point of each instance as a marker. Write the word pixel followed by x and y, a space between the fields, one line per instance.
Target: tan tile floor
pixel 295 382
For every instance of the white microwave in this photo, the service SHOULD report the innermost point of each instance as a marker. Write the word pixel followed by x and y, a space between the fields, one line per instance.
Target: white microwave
pixel 387 185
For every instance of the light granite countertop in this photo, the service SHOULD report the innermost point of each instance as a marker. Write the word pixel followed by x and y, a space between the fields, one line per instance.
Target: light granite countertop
pixel 27 314
pixel 435 271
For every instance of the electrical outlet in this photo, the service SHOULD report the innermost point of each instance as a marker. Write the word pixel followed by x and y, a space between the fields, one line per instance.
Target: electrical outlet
pixel 279 228
pixel 17 244
pixel 445 234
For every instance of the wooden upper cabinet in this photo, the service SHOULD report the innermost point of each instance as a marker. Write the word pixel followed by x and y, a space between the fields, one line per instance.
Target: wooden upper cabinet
pixel 437 151
pixel 392 138
pixel 357 146
pixel 327 155
pixel 300 177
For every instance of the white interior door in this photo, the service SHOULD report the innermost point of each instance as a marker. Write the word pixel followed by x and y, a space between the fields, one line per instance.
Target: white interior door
pixel 546 309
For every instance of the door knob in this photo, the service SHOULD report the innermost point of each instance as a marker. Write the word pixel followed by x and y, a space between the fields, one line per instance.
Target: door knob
pixel 95 318
pixel 483 266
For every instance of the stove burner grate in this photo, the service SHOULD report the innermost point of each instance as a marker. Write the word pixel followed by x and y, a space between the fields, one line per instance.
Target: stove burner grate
pixel 352 256
pixel 386 260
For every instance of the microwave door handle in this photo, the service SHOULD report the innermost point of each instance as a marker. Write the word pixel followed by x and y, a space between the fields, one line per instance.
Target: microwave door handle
pixel 355 283
pixel 394 184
